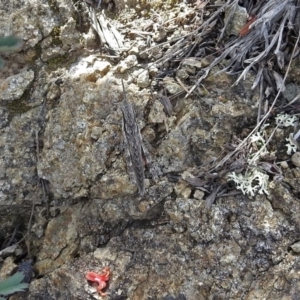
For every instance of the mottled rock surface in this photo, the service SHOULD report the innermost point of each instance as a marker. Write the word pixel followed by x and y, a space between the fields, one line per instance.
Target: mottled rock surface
pixel 64 178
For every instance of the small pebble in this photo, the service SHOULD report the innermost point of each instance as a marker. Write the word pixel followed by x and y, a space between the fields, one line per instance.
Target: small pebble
pixel 296 247
pixel 296 159
pixel 198 195
pixel 284 165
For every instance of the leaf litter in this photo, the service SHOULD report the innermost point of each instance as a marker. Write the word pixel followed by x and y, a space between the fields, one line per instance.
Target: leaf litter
pixel 265 46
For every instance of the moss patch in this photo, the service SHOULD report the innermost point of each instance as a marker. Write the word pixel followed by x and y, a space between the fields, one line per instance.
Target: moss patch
pixel 56 41
pixel 18 106
pixel 53 6
pixel 58 61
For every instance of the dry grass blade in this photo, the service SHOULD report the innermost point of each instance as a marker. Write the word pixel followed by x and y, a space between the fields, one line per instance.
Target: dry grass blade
pixel 293 101
pixel 133 142
pixel 212 197
pixel 108 34
pixel 165 101
pixel 192 38
pixel 265 34
pixel 195 181
pixel 96 25
pixel 243 143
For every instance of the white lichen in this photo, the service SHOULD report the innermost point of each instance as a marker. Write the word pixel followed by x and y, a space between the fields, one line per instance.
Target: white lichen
pixel 285 120
pixel 252 182
pixel 259 143
pixel 257 138
pixel 291 145
pixel 255 180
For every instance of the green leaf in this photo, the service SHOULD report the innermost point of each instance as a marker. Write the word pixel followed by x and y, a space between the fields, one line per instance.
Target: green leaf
pixel 11 42
pixel 13 284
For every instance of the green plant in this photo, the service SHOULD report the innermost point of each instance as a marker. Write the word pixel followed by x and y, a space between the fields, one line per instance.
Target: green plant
pixel 12 285
pixel 8 43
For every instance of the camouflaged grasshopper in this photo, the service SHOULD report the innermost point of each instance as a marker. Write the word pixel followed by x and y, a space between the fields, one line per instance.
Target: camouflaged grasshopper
pixel 137 154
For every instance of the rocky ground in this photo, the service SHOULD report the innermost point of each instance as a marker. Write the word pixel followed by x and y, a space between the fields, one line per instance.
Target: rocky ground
pixel 67 198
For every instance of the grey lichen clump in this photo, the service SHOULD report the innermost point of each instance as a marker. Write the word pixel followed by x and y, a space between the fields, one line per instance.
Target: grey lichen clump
pixel 9 43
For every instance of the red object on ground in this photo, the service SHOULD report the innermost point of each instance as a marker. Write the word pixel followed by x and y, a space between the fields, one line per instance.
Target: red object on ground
pixel 101 279
pixel 245 29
